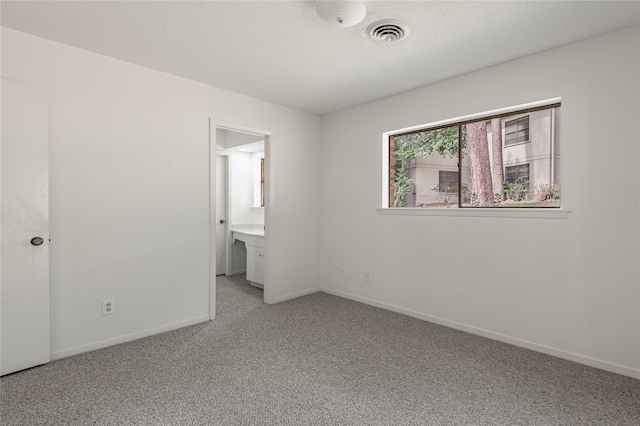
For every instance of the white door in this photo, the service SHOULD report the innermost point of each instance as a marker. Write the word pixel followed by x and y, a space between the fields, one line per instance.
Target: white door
pixel 24 277
pixel 221 215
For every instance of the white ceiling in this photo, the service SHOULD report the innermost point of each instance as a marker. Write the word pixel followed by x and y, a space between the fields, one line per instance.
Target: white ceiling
pixel 280 51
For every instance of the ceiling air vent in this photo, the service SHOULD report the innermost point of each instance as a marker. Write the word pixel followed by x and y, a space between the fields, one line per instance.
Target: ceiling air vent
pixel 388 30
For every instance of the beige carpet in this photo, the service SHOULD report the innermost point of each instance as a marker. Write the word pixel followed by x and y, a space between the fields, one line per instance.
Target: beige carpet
pixel 316 360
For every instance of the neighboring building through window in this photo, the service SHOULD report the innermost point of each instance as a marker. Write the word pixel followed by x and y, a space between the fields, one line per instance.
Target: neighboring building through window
pixel 505 160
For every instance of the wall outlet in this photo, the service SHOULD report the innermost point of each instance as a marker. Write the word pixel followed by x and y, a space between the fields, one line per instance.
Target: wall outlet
pixel 365 277
pixel 108 307
pixel 343 271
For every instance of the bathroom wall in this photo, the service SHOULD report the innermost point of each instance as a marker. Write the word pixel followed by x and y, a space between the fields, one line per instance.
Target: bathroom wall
pixel 241 187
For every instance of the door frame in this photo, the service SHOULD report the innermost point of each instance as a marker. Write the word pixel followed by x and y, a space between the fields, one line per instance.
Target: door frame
pixel 269 283
pixel 227 214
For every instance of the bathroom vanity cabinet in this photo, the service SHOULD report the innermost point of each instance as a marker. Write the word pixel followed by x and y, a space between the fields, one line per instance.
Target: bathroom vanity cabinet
pixel 254 242
pixel 255 265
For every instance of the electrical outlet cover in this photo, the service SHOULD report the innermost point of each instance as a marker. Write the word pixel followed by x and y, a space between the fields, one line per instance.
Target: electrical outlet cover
pixel 108 307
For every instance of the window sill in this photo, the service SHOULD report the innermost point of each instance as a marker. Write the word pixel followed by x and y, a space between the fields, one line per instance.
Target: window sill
pixel 531 213
pixel 515 144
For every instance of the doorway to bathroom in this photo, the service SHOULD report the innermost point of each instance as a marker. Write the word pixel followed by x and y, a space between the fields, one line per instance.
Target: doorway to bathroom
pixel 240 209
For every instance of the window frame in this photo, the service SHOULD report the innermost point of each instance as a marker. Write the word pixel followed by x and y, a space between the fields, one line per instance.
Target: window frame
pixel 522 212
pixel 262 182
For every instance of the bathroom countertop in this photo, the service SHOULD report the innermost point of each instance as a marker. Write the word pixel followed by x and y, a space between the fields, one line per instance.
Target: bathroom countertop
pixel 249 230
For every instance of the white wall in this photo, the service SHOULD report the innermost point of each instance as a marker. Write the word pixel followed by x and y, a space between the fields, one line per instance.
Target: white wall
pixel 129 193
pixel 241 183
pixel 245 188
pixel 574 289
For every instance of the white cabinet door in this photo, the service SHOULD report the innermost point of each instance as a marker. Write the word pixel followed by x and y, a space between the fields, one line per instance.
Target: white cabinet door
pixel 24 277
pixel 260 266
pixel 255 264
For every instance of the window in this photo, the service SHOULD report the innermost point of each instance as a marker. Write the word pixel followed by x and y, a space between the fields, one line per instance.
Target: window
pixel 447 181
pixel 516 131
pixel 479 162
pixel 512 173
pixel 516 182
pixel 257 162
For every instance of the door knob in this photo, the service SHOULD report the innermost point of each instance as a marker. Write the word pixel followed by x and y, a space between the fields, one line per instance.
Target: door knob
pixel 221 220
pixel 37 241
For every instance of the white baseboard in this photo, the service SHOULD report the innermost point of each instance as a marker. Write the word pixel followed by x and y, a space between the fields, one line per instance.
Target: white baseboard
pixel 126 338
pixel 296 294
pixel 559 353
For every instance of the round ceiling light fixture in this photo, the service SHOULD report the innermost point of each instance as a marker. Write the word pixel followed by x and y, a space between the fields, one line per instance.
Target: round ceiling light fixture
pixel 341 13
pixel 388 30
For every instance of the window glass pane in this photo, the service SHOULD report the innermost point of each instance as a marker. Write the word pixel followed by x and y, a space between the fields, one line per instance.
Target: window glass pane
pixel 522 137
pixel 420 160
pixel 448 181
pixel 477 158
pixel 514 172
pixel 531 169
pixel 523 122
pixel 517 131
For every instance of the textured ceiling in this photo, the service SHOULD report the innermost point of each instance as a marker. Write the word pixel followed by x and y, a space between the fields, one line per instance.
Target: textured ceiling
pixel 281 52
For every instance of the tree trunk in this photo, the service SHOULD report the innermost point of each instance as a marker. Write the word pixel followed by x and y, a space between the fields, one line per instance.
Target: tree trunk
pixel 479 165
pixel 497 173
